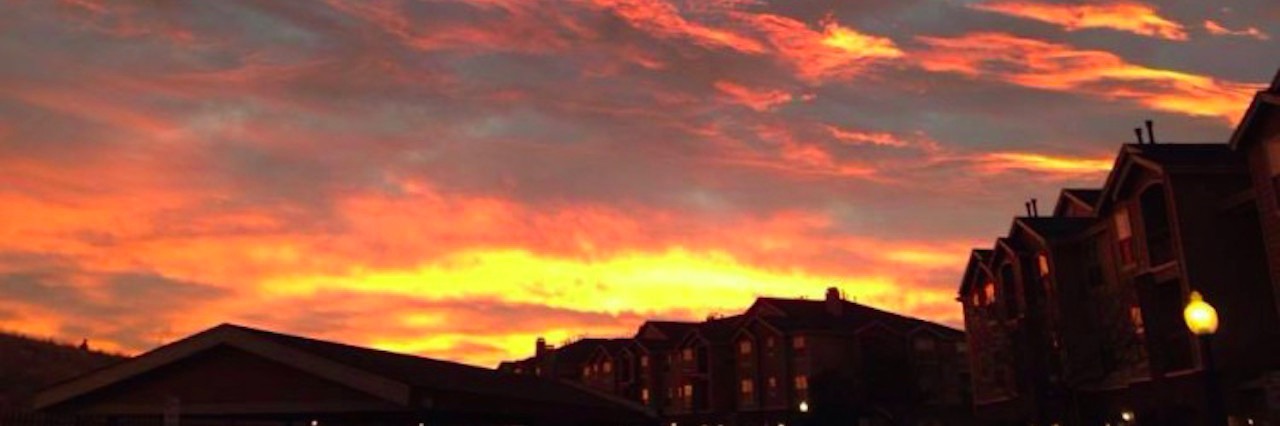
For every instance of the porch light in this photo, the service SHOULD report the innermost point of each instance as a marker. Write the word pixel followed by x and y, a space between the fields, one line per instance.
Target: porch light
pixel 804 406
pixel 1201 317
pixel 1126 416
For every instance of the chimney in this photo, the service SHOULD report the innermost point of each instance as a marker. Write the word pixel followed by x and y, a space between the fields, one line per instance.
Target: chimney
pixel 540 347
pixel 1151 134
pixel 1035 210
pixel 1027 205
pixel 1137 131
pixel 834 302
pixel 1275 82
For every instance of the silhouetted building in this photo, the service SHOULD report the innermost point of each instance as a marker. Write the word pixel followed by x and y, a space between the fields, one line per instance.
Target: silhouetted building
pixel 789 361
pixel 1076 318
pixel 237 375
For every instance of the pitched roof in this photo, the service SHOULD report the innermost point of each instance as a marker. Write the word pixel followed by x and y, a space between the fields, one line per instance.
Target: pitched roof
pixel 386 374
pixel 1199 155
pixel 431 373
pixel 1054 228
pixel 675 331
pixel 1088 196
pixel 578 351
pixel 813 315
pixel 977 257
pixel 1263 106
pixel 719 329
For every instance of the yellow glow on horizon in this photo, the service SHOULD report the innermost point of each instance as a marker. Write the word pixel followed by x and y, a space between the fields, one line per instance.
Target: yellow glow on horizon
pixel 643 282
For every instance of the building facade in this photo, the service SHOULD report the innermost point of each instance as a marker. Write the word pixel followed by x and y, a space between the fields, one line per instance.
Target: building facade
pixel 1077 317
pixel 785 361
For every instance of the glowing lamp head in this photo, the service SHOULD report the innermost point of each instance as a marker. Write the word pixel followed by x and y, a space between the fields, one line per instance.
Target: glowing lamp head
pixel 1126 416
pixel 1201 317
pixel 804 406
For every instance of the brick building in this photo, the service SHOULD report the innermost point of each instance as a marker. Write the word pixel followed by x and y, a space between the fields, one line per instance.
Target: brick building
pixel 1076 318
pixel 787 361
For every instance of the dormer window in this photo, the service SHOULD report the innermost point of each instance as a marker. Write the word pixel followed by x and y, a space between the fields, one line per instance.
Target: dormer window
pixel 744 347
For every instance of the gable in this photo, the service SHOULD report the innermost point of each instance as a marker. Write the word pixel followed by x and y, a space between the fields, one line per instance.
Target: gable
pixel 763 308
pixel 225 377
pixel 650 332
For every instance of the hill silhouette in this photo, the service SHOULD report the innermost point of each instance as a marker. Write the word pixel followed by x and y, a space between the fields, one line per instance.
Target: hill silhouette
pixel 29 364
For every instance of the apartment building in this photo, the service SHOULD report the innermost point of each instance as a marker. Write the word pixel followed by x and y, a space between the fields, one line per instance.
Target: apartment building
pixel 1077 317
pixel 785 361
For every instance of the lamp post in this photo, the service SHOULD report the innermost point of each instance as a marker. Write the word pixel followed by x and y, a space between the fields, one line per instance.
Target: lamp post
pixel 1202 320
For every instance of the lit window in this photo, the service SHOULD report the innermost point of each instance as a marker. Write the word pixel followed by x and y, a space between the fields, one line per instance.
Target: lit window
pixel 688 391
pixel 773 382
pixel 1135 317
pixel 1124 236
pixel 744 347
pixel 797 342
pixel 802 382
pixel 768 342
pixel 644 395
pixel 644 361
pixel 687 354
pixel 608 366
pixel 1044 265
pixel 989 292
pixel 747 387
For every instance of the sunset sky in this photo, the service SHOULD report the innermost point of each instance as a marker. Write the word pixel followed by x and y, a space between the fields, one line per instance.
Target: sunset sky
pixel 455 179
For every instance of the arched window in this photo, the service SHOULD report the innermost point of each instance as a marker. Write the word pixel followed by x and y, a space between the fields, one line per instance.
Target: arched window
pixel 1155 221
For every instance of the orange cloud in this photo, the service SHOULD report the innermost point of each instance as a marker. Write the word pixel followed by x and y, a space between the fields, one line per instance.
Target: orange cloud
pixel 759 100
pixel 1132 17
pixel 1059 67
pixel 999 162
pixel 833 53
pixel 436 253
pixel 663 20
pixel 860 137
pixel 1217 29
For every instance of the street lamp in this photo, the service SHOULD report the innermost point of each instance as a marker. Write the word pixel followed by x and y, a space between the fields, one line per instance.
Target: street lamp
pixel 1202 320
pixel 804 407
